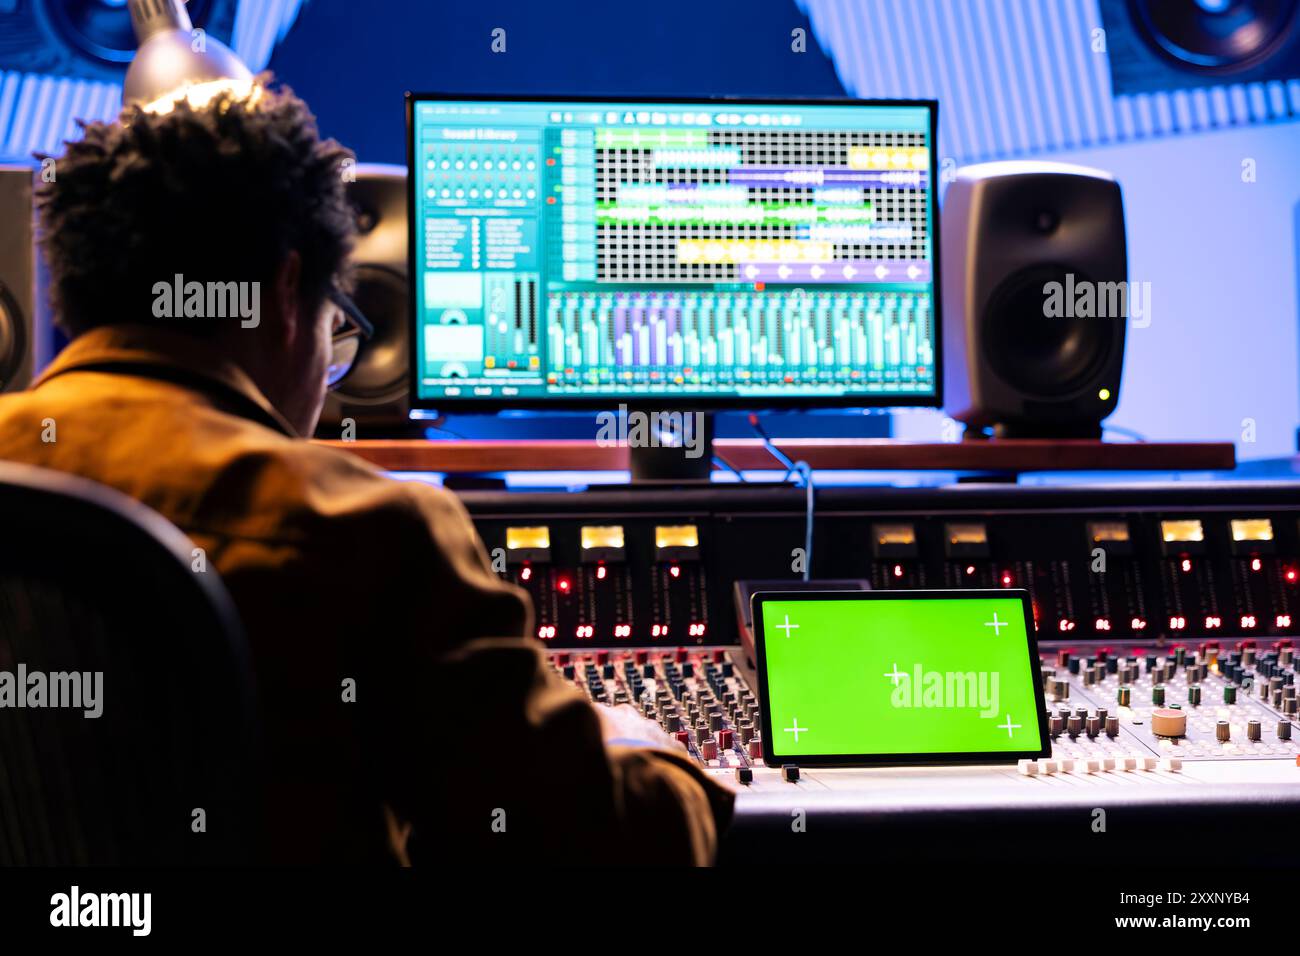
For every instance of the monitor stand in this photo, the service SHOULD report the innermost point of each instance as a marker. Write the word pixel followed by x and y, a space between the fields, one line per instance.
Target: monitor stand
pixel 669 445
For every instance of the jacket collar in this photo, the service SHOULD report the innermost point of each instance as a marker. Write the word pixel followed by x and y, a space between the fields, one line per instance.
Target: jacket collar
pixel 151 352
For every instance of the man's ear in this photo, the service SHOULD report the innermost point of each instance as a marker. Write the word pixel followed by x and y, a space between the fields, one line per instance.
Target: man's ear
pixel 286 292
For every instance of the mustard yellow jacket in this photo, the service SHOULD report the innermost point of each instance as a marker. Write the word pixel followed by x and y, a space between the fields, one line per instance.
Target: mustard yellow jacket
pixel 461 743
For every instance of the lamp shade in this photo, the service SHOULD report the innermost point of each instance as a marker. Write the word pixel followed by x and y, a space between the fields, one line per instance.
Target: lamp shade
pixel 173 56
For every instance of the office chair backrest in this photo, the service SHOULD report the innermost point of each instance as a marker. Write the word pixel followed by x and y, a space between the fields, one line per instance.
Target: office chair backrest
pixel 105 606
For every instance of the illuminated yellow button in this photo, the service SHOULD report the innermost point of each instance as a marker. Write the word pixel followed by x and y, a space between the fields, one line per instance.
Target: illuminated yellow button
pixel 602 536
pixel 1183 530
pixel 1252 529
pixel 536 537
pixel 677 536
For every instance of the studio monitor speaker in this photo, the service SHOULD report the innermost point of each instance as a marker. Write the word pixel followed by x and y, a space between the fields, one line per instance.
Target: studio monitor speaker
pixel 17 278
pixel 374 392
pixel 1158 45
pixel 1035 298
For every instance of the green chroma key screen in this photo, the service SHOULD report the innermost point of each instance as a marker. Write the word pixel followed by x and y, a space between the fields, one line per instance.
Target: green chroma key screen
pixel 904 676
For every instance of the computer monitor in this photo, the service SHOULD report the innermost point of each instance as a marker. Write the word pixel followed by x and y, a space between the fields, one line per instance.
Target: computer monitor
pixel 581 253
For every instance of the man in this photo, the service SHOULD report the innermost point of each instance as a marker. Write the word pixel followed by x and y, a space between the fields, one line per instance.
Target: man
pixel 406 714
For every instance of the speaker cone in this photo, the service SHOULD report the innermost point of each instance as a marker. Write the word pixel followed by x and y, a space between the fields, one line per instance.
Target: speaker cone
pixel 101 29
pixel 381 369
pixel 1043 356
pixel 1216 35
pixel 13 338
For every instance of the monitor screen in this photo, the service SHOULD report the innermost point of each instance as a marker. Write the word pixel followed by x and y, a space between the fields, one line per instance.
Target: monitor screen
pixel 711 252
pixel 863 677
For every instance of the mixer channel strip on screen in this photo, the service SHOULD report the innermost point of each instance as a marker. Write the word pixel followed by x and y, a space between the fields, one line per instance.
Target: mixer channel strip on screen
pixel 805 341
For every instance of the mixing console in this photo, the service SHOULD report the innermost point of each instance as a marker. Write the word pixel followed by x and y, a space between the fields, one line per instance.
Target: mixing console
pixel 1127 710
pixel 1168 667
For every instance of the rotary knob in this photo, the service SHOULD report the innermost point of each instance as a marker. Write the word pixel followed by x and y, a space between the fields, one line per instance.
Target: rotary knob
pixel 1167 722
pixel 1223 731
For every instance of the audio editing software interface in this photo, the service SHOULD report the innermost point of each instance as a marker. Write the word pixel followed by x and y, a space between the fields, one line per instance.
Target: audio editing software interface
pixel 716 250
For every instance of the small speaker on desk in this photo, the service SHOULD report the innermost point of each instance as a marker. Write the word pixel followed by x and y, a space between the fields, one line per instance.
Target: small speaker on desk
pixel 1035 298
pixel 17 278
pixel 374 392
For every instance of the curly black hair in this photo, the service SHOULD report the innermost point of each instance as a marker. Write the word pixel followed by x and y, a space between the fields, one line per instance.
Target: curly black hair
pixel 219 193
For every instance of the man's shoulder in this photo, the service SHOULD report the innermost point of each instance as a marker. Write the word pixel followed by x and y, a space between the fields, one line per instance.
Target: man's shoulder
pixel 300 485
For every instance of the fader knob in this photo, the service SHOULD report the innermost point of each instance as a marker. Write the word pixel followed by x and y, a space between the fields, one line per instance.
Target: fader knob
pixel 1223 730
pixel 1167 722
pixel 724 739
pixel 756 748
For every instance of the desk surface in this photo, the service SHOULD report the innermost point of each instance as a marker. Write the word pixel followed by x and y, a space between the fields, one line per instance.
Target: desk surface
pixel 866 454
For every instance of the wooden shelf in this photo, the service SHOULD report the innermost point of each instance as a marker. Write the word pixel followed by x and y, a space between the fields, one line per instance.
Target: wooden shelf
pixel 859 454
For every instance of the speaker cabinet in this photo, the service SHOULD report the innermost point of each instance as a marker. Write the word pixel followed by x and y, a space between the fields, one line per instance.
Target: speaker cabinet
pixel 374 392
pixel 17 278
pixel 1035 298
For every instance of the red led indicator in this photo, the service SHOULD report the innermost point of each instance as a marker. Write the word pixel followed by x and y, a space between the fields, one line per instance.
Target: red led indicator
pixel 525 574
pixel 600 573
pixel 1006 579
pixel 675 571
pixel 1290 574
pixel 563 585
pixel 970 569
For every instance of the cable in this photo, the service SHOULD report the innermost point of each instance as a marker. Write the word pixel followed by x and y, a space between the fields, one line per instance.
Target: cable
pixel 1120 430
pixel 804 471
pixel 725 465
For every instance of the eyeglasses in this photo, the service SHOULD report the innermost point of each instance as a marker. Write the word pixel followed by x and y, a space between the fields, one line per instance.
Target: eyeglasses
pixel 345 344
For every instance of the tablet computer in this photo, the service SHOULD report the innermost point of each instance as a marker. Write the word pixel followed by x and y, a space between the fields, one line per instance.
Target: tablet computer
pixel 854 678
